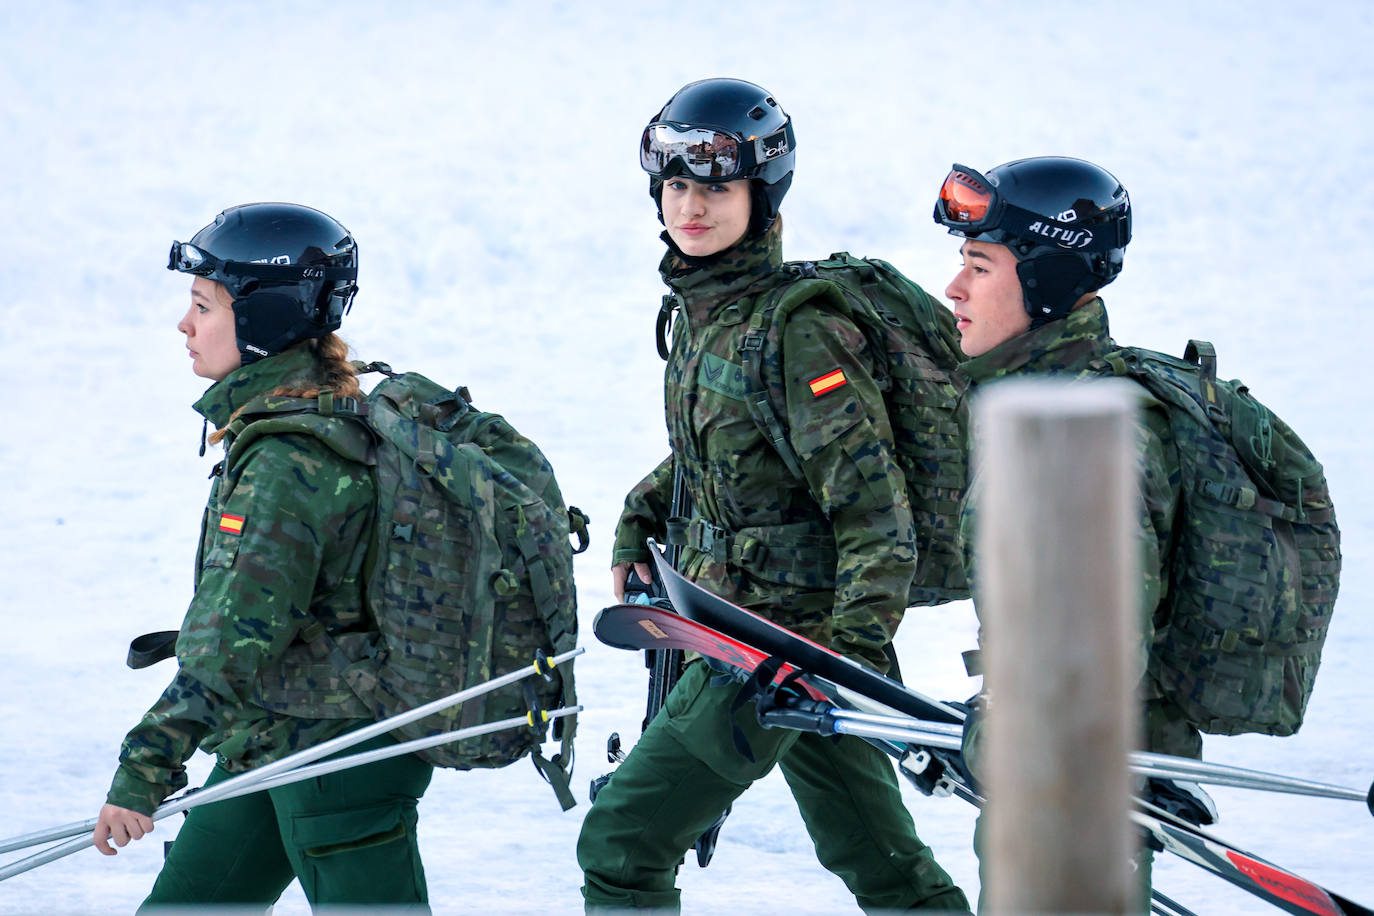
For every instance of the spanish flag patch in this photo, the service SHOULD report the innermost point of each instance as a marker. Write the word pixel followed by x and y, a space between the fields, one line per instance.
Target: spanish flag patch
pixel 828 382
pixel 231 524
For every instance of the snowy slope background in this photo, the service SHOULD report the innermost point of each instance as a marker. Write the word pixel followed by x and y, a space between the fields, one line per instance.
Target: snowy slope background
pixel 483 154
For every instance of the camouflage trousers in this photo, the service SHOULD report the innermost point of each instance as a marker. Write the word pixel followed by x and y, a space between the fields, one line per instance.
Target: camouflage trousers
pixel 350 837
pixel 685 770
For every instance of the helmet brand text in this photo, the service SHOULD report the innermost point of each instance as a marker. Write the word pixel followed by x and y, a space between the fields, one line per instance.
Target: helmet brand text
pixel 1064 238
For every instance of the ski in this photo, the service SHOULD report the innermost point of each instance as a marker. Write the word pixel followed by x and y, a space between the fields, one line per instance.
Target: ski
pixel 696 603
pixel 637 627
pixel 1265 880
pixel 653 628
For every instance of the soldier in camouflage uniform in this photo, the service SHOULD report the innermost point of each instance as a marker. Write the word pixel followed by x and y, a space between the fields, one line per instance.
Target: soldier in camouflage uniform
pixel 830 555
pixel 1042 236
pixel 283 541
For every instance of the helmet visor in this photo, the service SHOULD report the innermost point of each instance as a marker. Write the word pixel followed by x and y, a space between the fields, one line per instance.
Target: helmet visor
pixel 968 201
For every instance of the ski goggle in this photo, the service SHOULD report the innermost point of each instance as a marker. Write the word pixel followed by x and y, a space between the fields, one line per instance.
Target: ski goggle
pixel 189 259
pixel 704 152
pixel 192 259
pixel 968 201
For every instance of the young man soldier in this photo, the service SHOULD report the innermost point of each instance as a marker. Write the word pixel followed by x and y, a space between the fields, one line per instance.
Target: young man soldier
pixel 1041 237
pixel 828 552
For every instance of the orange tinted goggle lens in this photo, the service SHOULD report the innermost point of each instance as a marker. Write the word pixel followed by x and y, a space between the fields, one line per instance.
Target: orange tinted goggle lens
pixel 965 198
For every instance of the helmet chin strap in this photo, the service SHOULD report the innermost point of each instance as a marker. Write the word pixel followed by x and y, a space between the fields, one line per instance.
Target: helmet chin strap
pixel 266 323
pixel 1052 283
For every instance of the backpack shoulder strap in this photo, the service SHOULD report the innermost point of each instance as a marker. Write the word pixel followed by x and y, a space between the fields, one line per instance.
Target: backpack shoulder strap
pixel 1178 384
pixel 780 302
pixel 926 319
pixel 337 422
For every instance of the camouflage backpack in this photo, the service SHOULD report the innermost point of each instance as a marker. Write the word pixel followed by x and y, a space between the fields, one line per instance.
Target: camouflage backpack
pixel 469 572
pixel 1256 559
pixel 917 348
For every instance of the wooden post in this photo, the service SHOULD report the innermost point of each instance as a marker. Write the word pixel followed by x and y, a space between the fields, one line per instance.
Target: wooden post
pixel 1058 594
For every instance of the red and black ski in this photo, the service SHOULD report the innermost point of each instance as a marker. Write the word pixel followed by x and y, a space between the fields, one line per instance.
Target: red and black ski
pixel 696 603
pixel 648 627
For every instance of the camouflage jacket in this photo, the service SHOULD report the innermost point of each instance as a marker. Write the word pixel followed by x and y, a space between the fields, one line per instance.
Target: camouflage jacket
pixel 1067 348
pixel 830 556
pixel 284 531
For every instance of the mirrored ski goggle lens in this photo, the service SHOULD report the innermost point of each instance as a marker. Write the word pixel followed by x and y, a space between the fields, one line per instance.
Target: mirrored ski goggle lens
pixel 965 198
pixel 187 258
pixel 704 153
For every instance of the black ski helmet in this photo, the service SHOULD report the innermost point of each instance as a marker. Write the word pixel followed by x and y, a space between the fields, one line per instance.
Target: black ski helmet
pixel 722 129
pixel 1066 220
pixel 290 269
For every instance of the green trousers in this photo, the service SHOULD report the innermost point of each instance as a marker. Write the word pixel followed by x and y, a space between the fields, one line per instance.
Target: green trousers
pixel 684 771
pixel 348 836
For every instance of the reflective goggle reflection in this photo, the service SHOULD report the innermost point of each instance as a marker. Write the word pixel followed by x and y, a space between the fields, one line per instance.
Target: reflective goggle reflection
pixel 966 197
pixel 703 152
pixel 187 258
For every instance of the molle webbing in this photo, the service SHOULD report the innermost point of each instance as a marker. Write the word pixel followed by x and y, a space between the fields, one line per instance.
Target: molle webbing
pixel 468 573
pixel 1255 566
pixel 915 346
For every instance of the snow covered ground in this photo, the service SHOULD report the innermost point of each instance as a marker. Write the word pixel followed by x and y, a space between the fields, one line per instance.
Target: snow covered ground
pixel 483 154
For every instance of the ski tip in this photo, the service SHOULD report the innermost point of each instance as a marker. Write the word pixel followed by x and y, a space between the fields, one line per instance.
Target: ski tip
pixel 1369 799
pixel 600 632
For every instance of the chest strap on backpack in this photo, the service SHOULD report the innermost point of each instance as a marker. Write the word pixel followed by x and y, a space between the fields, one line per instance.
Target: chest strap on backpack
pixel 760 409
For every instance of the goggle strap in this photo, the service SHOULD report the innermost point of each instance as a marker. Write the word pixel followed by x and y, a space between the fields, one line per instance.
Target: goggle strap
pixel 287 272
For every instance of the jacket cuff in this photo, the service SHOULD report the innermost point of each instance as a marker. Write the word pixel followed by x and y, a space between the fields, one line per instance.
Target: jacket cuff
pixel 128 791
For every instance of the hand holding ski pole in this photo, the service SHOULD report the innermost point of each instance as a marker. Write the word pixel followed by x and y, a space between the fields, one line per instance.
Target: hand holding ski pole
pixel 120 826
pixel 294 767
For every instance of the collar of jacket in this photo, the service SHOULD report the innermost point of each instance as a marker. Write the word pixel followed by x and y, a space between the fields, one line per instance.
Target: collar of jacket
pixel 704 285
pixel 293 366
pixel 1066 345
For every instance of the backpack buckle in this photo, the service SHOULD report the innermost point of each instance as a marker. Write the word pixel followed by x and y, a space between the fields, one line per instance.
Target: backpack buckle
pixel 709 539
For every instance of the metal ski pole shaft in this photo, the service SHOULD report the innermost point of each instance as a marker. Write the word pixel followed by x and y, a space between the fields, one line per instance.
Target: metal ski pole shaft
pixel 325 767
pixel 239 784
pixel 196 798
pixel 1222 774
pixel 945 737
pixel 1235 777
pixel 844 725
pixel 40 837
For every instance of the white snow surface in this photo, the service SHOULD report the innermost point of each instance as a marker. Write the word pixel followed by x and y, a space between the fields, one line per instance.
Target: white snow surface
pixel 484 156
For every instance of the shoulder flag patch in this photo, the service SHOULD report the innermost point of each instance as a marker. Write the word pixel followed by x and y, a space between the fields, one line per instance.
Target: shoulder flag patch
pixel 231 524
pixel 828 382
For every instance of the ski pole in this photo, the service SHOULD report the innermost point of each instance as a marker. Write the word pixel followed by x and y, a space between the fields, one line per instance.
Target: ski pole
pixel 326 767
pixel 197 797
pixel 247 782
pixel 1145 763
pixel 948 737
